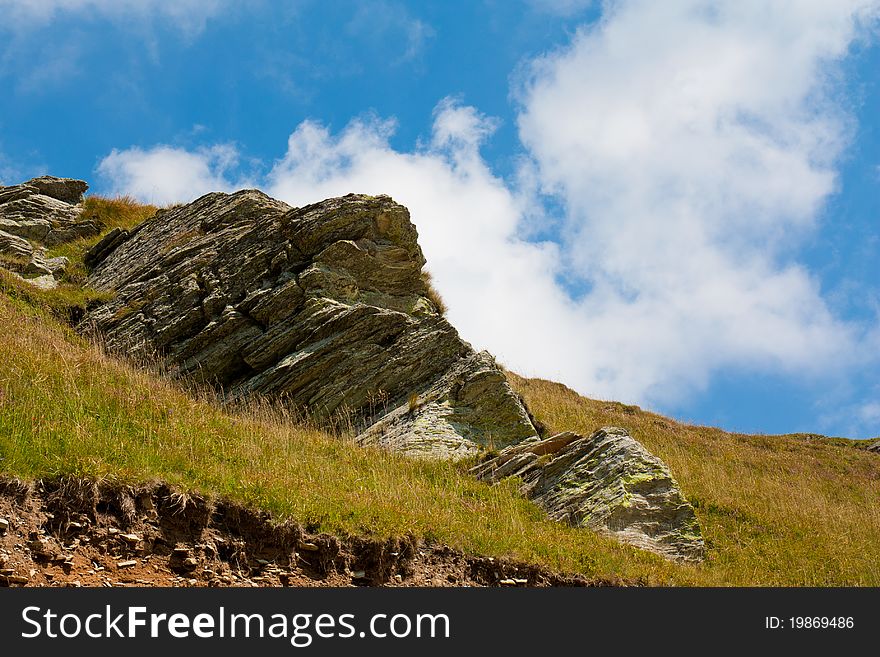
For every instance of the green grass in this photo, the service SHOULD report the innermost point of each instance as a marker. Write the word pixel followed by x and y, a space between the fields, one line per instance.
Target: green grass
pixel 67 302
pixel 71 298
pixel 776 510
pixel 119 212
pixel 68 409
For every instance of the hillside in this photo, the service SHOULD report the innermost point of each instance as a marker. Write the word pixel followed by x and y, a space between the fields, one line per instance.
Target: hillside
pixel 774 510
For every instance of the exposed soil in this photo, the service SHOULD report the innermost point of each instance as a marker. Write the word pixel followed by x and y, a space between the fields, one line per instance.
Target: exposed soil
pixel 75 532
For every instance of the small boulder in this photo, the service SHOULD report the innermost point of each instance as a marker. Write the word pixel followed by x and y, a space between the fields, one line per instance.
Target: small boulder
pixel 63 189
pixel 46 210
pixel 608 482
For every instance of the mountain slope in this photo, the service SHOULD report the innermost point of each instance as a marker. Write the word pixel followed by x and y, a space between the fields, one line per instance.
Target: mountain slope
pixel 800 509
pixel 775 510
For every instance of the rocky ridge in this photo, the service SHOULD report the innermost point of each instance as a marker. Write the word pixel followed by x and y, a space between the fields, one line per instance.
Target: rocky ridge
pixel 40 213
pixel 327 309
pixel 324 306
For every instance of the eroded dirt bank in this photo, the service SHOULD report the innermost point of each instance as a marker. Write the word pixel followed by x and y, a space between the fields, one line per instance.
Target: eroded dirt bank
pixel 75 532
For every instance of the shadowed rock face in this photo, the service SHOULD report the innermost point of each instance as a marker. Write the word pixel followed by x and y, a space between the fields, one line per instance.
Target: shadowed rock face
pixel 608 482
pixel 324 306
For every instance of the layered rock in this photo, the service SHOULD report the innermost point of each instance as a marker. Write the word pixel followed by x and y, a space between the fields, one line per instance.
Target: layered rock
pixel 608 482
pixel 326 308
pixel 323 306
pixel 41 213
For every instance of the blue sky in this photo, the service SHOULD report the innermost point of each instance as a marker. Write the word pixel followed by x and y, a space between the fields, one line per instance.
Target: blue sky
pixel 671 204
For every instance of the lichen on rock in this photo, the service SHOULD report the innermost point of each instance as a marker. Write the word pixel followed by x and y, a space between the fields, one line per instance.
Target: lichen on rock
pixel 608 482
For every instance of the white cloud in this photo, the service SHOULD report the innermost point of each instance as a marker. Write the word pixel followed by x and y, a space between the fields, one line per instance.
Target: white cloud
pixel 189 16
pixel 164 174
pixel 692 144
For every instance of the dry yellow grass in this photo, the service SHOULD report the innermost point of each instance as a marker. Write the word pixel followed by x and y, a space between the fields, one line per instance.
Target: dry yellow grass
pixel 432 293
pixel 120 212
pixel 774 509
pixel 68 409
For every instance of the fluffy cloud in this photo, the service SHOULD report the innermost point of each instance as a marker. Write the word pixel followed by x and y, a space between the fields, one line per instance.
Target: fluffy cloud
pixel 692 146
pixel 164 174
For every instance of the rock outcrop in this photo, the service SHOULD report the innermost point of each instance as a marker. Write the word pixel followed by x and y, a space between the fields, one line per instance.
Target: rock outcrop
pixel 324 306
pixel 41 213
pixel 608 482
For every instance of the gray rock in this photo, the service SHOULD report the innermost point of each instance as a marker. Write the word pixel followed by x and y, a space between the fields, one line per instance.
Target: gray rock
pixel 14 221
pixel 608 482
pixel 322 306
pixel 874 447
pixel 469 407
pixel 42 212
pixel 99 252
pixel 37 267
pixel 43 282
pixel 40 265
pixel 67 190
pixel 14 246
pixel 57 265
pixel 46 210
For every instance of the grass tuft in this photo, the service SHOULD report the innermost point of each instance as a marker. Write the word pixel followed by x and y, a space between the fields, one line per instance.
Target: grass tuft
pixel 432 294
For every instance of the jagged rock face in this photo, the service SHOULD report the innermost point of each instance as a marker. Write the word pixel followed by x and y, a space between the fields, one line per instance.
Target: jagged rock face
pixel 323 306
pixel 67 190
pixel 46 210
pixel 42 212
pixel 608 482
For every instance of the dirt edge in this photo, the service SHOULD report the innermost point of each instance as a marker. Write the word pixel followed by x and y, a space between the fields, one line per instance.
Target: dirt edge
pixel 79 532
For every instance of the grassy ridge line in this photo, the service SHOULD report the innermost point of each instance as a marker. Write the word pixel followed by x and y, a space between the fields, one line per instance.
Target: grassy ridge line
pixel 774 509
